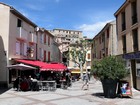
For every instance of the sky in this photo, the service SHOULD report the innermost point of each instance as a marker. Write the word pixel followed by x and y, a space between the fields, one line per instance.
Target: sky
pixel 88 16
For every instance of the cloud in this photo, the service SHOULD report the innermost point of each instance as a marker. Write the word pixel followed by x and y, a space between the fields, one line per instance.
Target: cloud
pixel 34 7
pixel 90 30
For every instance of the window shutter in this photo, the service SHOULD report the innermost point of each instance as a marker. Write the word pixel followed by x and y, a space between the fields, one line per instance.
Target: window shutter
pixel 25 49
pixel 17 48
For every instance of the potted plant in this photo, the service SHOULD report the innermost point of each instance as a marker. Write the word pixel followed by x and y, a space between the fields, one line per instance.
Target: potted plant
pixel 109 70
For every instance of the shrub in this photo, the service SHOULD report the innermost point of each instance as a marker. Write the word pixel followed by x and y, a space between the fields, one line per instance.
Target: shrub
pixel 110 67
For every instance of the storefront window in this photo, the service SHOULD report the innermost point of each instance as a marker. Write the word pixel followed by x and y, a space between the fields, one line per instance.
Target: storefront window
pixel 138 68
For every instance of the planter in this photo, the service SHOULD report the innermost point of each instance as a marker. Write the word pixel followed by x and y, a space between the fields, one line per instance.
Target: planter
pixel 109 88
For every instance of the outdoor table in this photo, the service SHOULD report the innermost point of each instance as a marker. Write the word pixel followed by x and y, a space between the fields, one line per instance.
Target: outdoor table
pixel 47 85
pixel 63 84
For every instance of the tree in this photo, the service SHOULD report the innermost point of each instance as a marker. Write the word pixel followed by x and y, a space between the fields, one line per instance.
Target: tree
pixel 78 53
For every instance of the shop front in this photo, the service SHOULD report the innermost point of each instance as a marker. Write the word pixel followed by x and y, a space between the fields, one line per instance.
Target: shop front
pixel 133 63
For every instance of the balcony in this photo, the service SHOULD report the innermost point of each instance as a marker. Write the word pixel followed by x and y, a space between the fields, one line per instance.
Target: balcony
pixel 22 33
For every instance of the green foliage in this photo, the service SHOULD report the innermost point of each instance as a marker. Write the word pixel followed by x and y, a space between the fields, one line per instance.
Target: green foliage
pixel 78 51
pixel 110 67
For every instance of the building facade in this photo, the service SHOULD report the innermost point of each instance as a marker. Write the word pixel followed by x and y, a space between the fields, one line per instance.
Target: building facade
pixel 19 39
pixel 64 38
pixel 67 40
pixel 47 47
pixel 105 42
pixel 128 30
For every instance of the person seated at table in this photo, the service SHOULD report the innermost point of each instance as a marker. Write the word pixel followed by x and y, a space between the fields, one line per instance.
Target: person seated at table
pixel 34 85
pixel 24 86
pixel 17 83
pixel 29 81
pixel 49 78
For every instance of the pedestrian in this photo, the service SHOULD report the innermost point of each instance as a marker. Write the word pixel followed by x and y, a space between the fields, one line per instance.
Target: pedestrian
pixel 86 81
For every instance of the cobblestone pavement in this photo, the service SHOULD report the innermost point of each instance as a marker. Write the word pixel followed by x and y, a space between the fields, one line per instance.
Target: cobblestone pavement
pixel 72 96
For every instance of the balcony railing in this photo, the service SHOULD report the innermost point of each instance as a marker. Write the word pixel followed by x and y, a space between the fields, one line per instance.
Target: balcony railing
pixel 22 33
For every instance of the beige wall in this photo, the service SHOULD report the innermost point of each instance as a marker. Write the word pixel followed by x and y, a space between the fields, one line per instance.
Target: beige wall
pixel 109 45
pixel 14 33
pixel 129 38
pixel 52 48
pixel 129 28
pixel 4 32
pixel 8 36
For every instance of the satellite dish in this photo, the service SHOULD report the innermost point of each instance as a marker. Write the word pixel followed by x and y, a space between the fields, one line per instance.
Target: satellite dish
pixel 37 28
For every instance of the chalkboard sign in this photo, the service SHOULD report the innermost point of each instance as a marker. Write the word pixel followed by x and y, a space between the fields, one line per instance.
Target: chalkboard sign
pixel 124 89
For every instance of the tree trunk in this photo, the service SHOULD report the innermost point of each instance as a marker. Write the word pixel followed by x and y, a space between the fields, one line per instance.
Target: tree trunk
pixel 81 71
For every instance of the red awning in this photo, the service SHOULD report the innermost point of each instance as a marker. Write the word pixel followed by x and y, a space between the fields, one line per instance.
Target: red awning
pixel 33 63
pixel 54 67
pixel 45 66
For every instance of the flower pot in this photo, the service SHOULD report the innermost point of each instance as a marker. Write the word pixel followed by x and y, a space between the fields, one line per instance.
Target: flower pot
pixel 109 88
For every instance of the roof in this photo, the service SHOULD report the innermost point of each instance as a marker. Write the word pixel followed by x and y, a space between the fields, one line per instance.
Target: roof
pixel 66 30
pixel 17 13
pixel 122 6
pixel 106 26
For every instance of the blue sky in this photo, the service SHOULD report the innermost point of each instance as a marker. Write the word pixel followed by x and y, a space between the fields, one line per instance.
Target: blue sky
pixel 89 16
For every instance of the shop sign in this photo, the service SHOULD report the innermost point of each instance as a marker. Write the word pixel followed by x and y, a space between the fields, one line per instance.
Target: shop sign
pixel 132 56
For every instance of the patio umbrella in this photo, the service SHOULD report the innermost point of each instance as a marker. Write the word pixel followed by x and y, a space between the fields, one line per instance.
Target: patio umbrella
pixel 20 67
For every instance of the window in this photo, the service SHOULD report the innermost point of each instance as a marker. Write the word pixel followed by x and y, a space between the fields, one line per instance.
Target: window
pixel 41 52
pixel 45 39
pixel 41 38
pixel 49 54
pixel 103 37
pixel 106 51
pixel 135 39
pixel 25 49
pixel 17 48
pixel 123 21
pixel 138 72
pixel 134 12
pixel 92 45
pixel 88 56
pixel 138 68
pixel 44 55
pixel 100 39
pixel 48 40
pixel 88 63
pixel 108 33
pixel 19 23
pixel 124 43
pixel 21 48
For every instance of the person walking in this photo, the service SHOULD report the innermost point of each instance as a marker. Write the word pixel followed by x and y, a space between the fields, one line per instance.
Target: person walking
pixel 86 81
